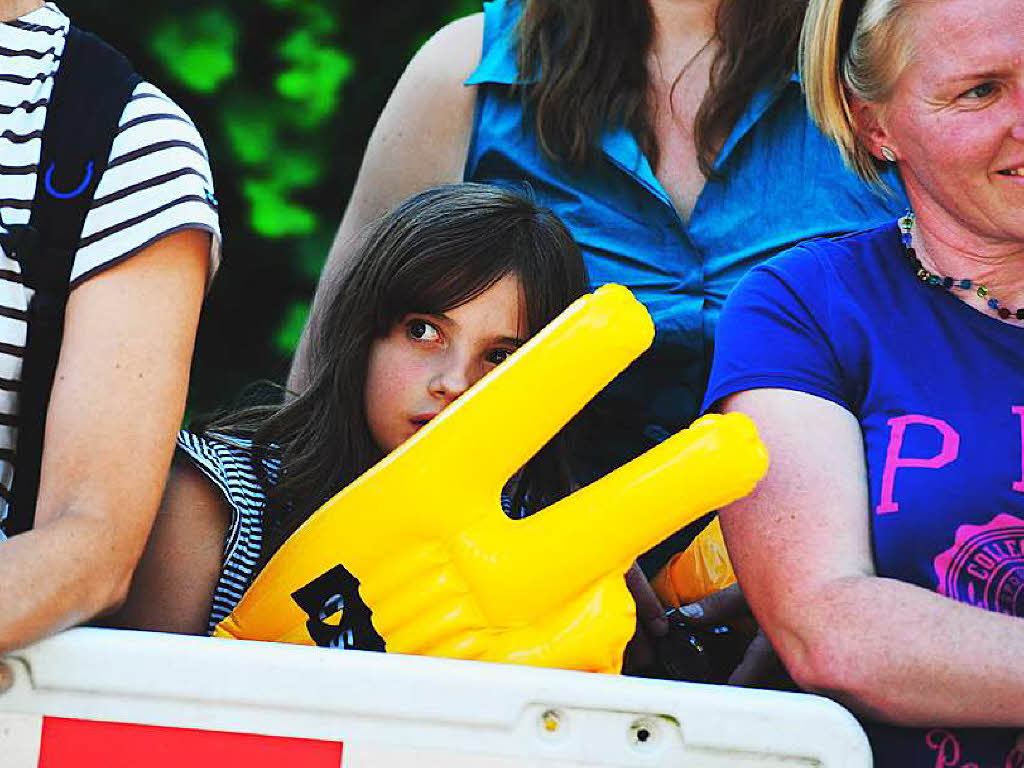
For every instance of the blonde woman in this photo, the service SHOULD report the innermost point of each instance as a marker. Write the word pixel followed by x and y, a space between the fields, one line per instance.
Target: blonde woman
pixel 884 552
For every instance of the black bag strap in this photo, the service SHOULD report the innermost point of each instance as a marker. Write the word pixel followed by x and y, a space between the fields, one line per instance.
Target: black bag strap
pixel 92 86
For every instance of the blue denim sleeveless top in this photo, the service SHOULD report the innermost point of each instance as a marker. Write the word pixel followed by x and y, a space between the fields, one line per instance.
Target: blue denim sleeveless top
pixel 778 180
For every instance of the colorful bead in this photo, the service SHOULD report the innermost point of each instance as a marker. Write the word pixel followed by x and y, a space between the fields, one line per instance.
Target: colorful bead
pixel 906 224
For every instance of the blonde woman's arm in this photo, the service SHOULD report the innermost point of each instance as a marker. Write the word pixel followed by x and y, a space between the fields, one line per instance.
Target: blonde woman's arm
pixel 801 548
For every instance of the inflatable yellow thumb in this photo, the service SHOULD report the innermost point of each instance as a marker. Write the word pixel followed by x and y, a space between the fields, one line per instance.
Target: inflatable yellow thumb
pixel 445 572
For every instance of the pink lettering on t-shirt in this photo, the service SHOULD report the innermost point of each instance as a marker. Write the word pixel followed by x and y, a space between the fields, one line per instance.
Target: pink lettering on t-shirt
pixel 893 460
pixel 1019 410
pixel 946 747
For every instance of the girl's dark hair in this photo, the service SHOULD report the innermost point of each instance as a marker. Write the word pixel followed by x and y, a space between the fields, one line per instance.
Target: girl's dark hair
pixel 590 56
pixel 434 252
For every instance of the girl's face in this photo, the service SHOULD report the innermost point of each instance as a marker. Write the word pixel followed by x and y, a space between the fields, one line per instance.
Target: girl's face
pixel 426 361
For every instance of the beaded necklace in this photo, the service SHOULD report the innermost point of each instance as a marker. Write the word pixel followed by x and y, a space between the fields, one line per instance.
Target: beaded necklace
pixel 906 223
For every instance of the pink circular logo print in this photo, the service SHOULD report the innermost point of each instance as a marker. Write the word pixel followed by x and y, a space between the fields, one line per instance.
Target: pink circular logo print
pixel 985 566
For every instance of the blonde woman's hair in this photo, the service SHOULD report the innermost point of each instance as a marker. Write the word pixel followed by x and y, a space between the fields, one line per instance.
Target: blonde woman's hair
pixel 872 59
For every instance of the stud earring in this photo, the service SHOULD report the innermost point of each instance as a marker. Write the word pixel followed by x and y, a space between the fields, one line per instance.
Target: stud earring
pixel 888 154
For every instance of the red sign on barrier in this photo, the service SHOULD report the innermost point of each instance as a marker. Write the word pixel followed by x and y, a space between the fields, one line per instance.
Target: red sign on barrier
pixel 87 744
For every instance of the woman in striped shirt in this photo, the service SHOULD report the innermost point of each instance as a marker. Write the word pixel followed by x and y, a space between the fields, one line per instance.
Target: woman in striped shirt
pixel 148 247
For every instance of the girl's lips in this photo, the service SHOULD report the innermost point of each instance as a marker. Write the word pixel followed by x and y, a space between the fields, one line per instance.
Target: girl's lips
pixel 420 420
pixel 1012 172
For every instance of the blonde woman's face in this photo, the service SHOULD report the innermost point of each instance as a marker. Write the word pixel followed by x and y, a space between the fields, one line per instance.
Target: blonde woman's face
pixel 956 117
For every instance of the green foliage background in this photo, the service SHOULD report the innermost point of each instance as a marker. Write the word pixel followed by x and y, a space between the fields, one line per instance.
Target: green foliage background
pixel 285 94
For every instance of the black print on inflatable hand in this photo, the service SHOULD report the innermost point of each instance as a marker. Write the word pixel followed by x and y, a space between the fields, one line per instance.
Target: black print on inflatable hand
pixel 338 618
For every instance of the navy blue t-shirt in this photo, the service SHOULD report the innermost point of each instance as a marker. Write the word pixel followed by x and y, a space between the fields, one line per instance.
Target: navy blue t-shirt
pixel 938 390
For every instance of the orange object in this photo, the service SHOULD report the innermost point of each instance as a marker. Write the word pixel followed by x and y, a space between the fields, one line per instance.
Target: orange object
pixel 697 571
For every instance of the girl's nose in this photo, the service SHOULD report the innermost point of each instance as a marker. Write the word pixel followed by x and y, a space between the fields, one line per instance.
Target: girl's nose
pixel 450 382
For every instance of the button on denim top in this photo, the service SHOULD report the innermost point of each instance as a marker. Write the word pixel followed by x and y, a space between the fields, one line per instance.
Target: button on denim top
pixel 778 180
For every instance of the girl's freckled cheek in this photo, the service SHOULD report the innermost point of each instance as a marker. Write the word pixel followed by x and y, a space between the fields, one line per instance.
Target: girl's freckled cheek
pixel 406 368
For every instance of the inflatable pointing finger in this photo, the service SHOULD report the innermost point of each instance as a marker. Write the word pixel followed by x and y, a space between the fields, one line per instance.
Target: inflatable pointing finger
pixel 445 572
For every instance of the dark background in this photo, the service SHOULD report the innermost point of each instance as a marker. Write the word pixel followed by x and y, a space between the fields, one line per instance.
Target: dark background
pixel 285 93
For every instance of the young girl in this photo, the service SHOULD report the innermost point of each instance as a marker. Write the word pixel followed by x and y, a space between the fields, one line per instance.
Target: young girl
pixel 443 289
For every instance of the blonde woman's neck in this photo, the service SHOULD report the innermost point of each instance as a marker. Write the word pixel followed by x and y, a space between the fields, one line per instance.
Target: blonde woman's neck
pixel 947 249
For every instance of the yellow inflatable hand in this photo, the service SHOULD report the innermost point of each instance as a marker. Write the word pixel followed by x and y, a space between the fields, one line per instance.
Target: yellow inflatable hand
pixel 447 573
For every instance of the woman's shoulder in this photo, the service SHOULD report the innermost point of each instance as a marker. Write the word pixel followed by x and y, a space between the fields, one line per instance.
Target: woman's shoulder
pixel 832 280
pixel 432 89
pixel 150 106
pixel 157 181
pixel 858 256
pixel 464 31
pixel 155 137
pixel 804 319
pixel 453 52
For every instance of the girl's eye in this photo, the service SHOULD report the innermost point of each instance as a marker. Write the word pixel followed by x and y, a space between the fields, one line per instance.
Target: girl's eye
pixel 498 356
pixel 979 91
pixel 421 330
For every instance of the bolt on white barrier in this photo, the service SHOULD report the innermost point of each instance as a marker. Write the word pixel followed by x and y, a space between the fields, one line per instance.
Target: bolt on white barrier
pixel 110 698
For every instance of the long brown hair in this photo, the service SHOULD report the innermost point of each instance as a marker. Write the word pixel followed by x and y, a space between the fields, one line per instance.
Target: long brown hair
pixel 436 251
pixel 590 57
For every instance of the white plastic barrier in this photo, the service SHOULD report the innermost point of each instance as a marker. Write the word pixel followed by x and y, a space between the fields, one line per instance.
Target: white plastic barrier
pixel 92 697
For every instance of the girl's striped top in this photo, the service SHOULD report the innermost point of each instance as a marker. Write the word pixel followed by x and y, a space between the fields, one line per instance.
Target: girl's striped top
pixel 158 181
pixel 228 464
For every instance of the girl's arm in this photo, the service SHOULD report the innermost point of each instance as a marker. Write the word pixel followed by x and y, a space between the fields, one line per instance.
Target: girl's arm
pixel 801 548
pixel 420 141
pixel 116 403
pixel 173 586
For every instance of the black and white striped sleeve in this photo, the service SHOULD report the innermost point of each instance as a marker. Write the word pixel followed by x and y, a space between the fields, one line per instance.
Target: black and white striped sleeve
pixel 230 469
pixel 157 182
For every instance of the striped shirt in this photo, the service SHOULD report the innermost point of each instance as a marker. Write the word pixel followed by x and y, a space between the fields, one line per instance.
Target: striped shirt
pixel 228 464
pixel 158 181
